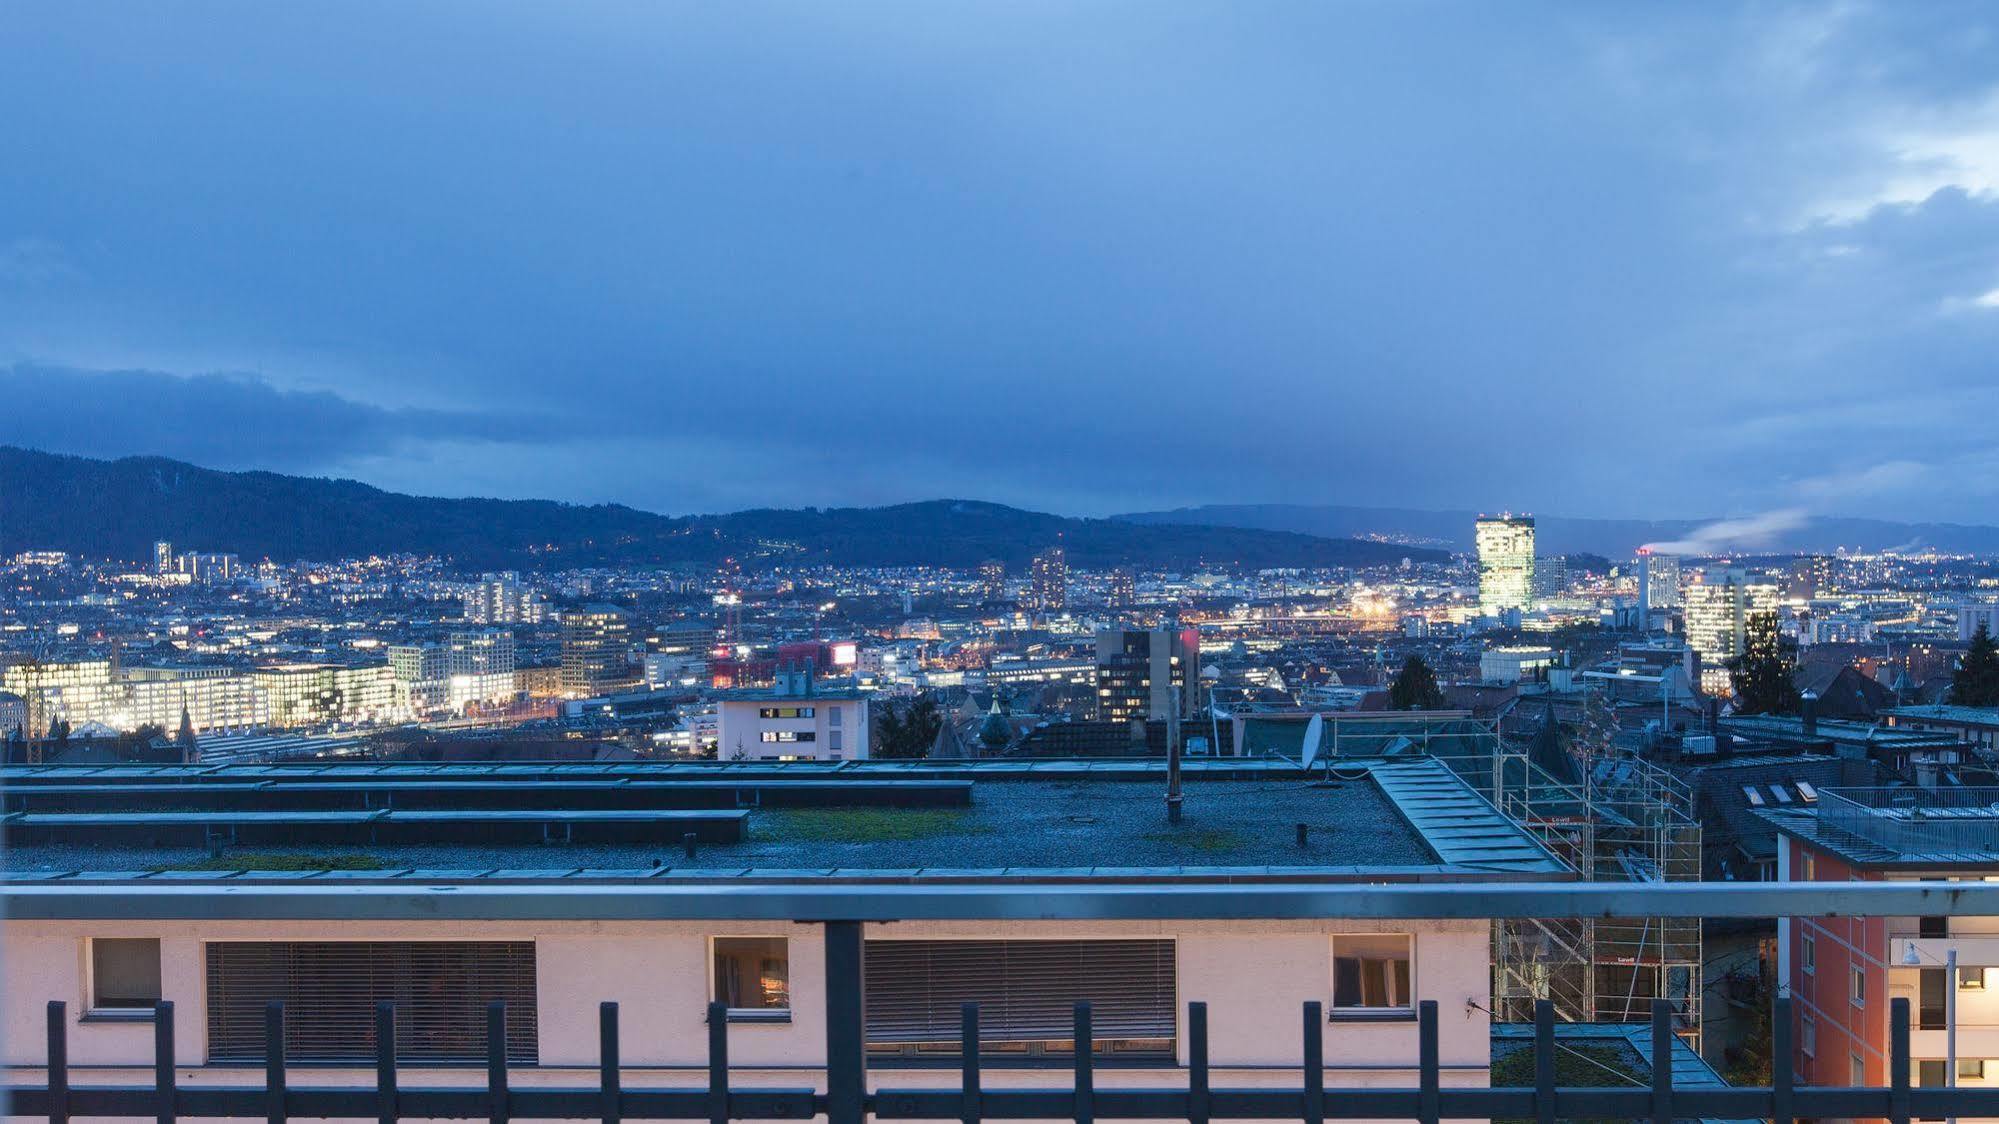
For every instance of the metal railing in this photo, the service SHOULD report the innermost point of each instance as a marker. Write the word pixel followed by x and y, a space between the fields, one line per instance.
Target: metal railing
pixel 847 1100
pixel 1948 824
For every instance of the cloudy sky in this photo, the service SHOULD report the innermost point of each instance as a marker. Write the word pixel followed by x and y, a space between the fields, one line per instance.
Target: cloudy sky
pixel 1639 260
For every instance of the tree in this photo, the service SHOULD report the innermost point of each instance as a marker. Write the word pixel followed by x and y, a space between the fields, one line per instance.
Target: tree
pixel 1976 681
pixel 908 735
pixel 1764 676
pixel 1415 687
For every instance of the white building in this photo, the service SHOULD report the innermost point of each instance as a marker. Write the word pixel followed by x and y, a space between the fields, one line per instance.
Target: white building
pixel 1513 664
pixel 796 720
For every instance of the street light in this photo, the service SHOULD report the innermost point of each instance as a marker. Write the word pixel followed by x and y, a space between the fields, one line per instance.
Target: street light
pixel 1913 957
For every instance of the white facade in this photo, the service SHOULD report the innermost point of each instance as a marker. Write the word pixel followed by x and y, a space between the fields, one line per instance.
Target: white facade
pixel 773 727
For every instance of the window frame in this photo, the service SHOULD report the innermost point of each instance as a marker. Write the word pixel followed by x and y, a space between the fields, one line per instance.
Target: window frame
pixel 1337 1013
pixel 1856 985
pixel 1808 954
pixel 777 1015
pixel 93 1011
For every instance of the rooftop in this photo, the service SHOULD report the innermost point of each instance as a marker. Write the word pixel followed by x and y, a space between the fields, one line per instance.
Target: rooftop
pixel 1903 827
pixel 1408 819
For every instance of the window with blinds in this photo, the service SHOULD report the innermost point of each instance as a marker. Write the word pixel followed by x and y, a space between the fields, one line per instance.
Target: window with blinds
pixel 330 989
pixel 1026 990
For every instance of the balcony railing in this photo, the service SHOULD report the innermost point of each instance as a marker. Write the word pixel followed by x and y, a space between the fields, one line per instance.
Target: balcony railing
pixel 848 1100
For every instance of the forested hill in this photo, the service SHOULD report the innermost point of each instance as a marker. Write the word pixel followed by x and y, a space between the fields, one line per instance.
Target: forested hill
pixel 118 509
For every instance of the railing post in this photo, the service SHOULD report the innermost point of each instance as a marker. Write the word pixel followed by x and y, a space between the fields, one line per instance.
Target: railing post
pixel 386 1111
pixel 1429 1063
pixel 968 1065
pixel 1086 1057
pixel 1783 1075
pixel 163 1062
pixel 718 1063
pixel 274 1062
pixel 610 1089
pixel 1315 1063
pixel 1662 1062
pixel 1197 1063
pixel 1544 1061
pixel 58 1067
pixel 846 1030
pixel 497 1109
pixel 1898 1060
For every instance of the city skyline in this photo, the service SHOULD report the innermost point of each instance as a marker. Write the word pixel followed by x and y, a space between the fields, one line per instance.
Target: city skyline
pixel 1365 255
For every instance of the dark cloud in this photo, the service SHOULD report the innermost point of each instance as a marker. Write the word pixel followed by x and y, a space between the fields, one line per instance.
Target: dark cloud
pixel 225 420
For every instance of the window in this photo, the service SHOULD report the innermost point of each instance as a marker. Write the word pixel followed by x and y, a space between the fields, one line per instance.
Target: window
pixel 785 712
pixel 1806 790
pixel 330 988
pixel 833 714
pixel 124 974
pixel 833 741
pixel 1929 1073
pixel 1933 928
pixel 789 736
pixel 1930 999
pixel 1371 974
pixel 1026 991
pixel 1971 1069
pixel 1971 979
pixel 1777 790
pixel 753 977
pixel 1857 1070
pixel 1808 1035
pixel 1808 865
pixel 1808 954
pixel 1755 797
pixel 1857 987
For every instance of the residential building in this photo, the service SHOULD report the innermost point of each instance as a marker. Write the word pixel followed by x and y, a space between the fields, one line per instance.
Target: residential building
pixel 468 670
pixel 503 599
pixel 795 719
pixel 318 694
pixel 597 653
pixel 1121 591
pixel 1973 725
pixel 1505 563
pixel 1658 580
pixel 1843 971
pixel 1146 673
pixel 992 580
pixel 163 557
pixel 1972 612
pixel 1048 582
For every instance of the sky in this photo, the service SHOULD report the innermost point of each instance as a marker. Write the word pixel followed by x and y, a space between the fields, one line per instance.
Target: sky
pixel 1633 260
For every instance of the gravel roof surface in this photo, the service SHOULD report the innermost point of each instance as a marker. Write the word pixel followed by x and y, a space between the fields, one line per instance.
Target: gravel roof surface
pixel 1061 824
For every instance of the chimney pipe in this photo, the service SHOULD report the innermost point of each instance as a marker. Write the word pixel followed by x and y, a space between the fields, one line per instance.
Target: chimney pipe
pixel 687 843
pixel 1808 713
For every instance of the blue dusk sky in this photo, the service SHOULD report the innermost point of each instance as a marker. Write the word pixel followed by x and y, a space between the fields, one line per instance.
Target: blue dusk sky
pixel 1590 259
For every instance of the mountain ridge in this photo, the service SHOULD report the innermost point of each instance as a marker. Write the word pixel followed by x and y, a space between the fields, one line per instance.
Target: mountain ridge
pixel 118 508
pixel 1556 534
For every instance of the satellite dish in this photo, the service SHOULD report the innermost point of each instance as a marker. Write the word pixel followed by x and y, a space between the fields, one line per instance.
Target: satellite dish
pixel 1315 732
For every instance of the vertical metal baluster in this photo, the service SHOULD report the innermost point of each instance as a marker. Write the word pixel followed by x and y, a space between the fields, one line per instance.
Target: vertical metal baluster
pixel 387 1111
pixel 1429 1065
pixel 1662 1062
pixel 496 1062
pixel 1898 1061
pixel 846 1030
pixel 1315 1063
pixel 610 1088
pixel 718 1063
pixel 274 1062
pixel 968 1064
pixel 1197 1063
pixel 1085 1050
pixel 1544 1061
pixel 1783 1078
pixel 163 1062
pixel 58 1062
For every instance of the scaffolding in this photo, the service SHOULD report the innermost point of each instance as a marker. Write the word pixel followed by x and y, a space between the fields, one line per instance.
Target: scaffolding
pixel 1614 817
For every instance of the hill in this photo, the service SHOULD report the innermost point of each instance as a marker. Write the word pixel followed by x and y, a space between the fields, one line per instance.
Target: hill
pixel 1613 538
pixel 117 509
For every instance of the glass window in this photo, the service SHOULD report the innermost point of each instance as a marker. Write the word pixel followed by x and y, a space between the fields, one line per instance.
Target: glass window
pixel 753 976
pixel 1929 1074
pixel 1971 979
pixel 1371 973
pixel 833 715
pixel 1808 954
pixel 1857 1070
pixel 1971 1069
pixel 124 973
pixel 1808 1035
pixel 1857 990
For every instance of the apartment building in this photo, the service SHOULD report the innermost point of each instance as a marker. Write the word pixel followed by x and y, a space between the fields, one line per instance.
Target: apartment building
pixel 1843 972
pixel 797 718
pixel 747 924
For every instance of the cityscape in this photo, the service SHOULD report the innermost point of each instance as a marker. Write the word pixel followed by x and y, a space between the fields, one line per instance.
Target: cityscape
pixel 968 562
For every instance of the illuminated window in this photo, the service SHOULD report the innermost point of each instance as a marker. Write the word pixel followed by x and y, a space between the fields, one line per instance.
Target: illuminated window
pixel 1971 1069
pixel 1371 974
pixel 753 977
pixel 1971 979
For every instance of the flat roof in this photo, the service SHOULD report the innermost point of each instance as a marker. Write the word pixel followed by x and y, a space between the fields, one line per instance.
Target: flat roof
pixel 1382 820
